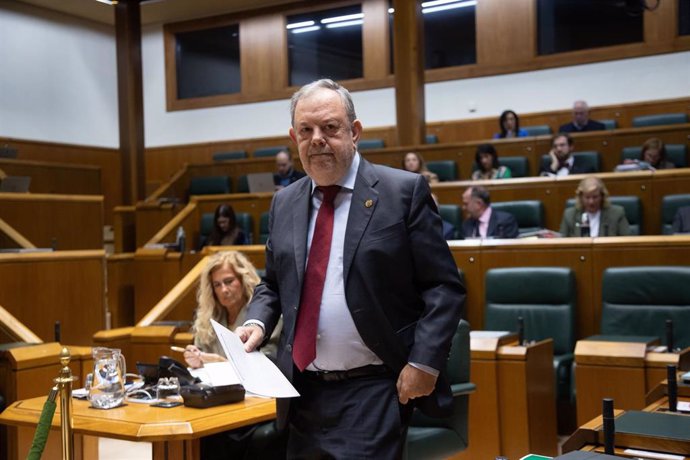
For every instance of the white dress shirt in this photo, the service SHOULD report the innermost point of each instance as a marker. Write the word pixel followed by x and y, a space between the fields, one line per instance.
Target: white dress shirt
pixel 594 220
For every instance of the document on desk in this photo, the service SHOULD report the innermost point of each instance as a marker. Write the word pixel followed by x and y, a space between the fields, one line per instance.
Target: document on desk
pixel 257 373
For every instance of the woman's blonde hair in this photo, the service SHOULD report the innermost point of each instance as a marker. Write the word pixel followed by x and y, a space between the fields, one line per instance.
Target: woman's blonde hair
pixel 420 159
pixel 591 184
pixel 208 306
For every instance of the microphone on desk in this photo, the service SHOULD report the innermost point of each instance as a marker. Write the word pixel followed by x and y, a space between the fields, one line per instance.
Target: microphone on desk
pixel 609 426
pixel 669 335
pixel 521 330
pixel 57 332
pixel 584 226
pixel 672 388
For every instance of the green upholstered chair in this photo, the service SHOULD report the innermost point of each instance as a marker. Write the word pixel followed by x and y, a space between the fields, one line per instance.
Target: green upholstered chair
pixel 589 157
pixel 246 223
pixel 546 298
pixel 660 119
pixel 269 151
pixel 609 124
pixel 234 155
pixel 446 170
pixel 537 130
pixel 367 144
pixel 675 153
pixel 263 228
pixel 669 206
pixel 528 213
pixel 242 184
pixel 210 185
pixel 442 437
pixel 638 300
pixel 519 166
pixel 632 206
pixel 452 213
pixel 431 139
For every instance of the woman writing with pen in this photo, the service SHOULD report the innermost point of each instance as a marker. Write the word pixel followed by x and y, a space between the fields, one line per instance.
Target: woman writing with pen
pixel 226 285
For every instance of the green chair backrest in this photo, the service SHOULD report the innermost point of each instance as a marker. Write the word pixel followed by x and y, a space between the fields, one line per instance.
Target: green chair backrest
pixel 609 124
pixel 631 205
pixel 246 223
pixel 537 130
pixel 452 214
pixel 528 213
pixel 242 184
pixel 263 228
pixel 210 185
pixel 660 119
pixel 669 206
pixel 639 300
pixel 431 139
pixel 545 297
pixel 675 153
pixel 587 157
pixel 269 151
pixel 234 155
pixel 519 166
pixel 366 144
pixel 446 170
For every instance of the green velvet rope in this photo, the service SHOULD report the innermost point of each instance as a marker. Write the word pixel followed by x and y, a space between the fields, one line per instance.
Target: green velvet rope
pixel 42 430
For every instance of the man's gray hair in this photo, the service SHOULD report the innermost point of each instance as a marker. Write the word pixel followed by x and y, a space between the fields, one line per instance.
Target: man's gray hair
pixel 324 83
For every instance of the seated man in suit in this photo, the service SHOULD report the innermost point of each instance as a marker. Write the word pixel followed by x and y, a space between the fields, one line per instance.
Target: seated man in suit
pixel 581 121
pixel 563 162
pixel 681 222
pixel 593 215
pixel 483 221
pixel 285 173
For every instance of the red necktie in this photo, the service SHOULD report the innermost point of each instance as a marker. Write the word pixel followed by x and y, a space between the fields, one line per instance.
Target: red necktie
pixel 304 347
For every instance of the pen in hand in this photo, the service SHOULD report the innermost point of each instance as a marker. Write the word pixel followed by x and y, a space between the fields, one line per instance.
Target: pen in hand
pixel 178 349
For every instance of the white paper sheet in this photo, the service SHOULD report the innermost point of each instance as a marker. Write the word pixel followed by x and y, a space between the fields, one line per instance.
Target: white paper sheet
pixel 256 372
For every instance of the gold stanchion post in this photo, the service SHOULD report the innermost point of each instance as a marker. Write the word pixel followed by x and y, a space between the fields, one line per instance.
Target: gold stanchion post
pixel 64 382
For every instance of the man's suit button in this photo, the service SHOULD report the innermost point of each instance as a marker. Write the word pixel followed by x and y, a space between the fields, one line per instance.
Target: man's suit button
pixel 289 348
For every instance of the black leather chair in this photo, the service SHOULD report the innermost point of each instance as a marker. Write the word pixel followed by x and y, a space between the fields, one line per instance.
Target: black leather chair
pixel 233 155
pixel 443 437
pixel 669 206
pixel 446 170
pixel 210 185
pixel 528 213
pixel 660 119
pixel 269 151
pixel 637 301
pixel 452 214
pixel 519 166
pixel 546 298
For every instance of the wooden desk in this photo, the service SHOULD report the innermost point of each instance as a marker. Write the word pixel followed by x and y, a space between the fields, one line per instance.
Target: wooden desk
pixel 174 432
pixel 513 411
pixel 624 371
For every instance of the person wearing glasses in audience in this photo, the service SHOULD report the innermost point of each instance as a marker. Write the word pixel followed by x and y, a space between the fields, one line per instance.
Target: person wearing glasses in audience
pixel 486 160
pixel 593 214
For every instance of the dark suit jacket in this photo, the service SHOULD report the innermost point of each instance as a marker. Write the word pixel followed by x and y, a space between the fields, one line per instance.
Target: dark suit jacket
pixel 294 176
pixel 579 167
pixel 401 282
pixel 612 222
pixel 681 221
pixel 590 126
pixel 501 225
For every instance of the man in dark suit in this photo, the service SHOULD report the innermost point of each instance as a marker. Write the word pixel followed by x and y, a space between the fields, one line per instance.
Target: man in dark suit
pixel 681 221
pixel 483 221
pixel 581 121
pixel 285 173
pixel 369 334
pixel 563 163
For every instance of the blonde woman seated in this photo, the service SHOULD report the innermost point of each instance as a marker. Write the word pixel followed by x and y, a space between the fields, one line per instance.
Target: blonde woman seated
pixel 226 286
pixel 593 215
pixel 414 162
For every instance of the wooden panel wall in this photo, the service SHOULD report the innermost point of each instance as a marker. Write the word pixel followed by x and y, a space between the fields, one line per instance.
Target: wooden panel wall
pixel 107 159
pixel 65 222
pixel 69 286
pixel 55 177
